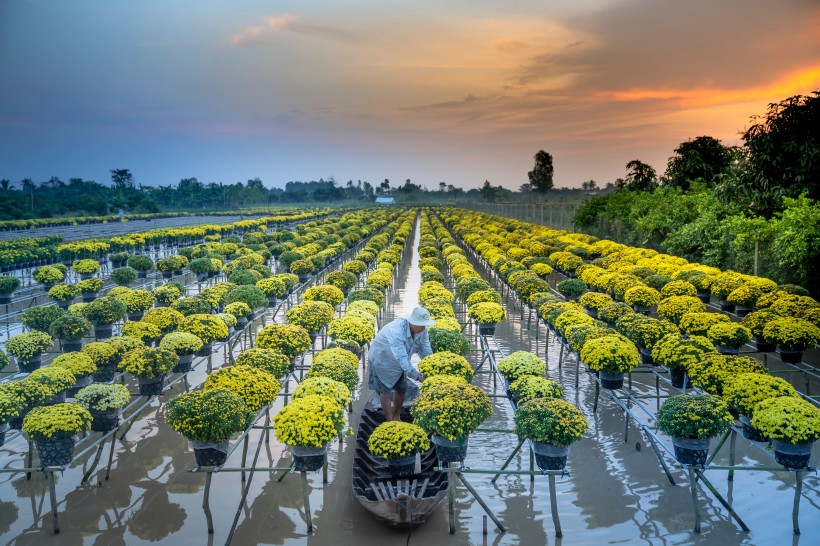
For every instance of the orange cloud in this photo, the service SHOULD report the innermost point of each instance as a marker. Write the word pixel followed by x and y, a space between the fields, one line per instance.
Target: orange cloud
pixel 800 81
pixel 508 44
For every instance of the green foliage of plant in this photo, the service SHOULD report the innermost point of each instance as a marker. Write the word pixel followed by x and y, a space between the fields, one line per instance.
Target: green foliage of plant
pixel 57 379
pixel 101 397
pixel 695 417
pixel 124 276
pixel 611 313
pixel 673 351
pixel 207 415
pixel 713 371
pixel 550 421
pixel 338 368
pixel 442 339
pixel 40 317
pixel 56 422
pixel 572 288
pixel 698 324
pixel 140 262
pixel 86 267
pixel 167 293
pixel 248 294
pixel 144 331
pixel 8 285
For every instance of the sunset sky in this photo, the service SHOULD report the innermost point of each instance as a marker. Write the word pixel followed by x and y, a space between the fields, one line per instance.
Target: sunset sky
pixel 457 91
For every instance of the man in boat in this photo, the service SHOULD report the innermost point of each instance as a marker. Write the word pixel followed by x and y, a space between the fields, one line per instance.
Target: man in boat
pixel 390 354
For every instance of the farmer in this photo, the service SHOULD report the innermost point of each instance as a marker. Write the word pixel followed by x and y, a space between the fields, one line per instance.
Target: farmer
pixel 390 355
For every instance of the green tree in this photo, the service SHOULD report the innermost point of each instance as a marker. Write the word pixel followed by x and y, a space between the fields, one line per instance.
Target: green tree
pixel 704 157
pixel 488 192
pixel 122 179
pixel 541 176
pixel 784 154
pixel 639 177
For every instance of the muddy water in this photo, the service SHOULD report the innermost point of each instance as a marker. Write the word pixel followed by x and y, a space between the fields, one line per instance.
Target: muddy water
pixel 614 493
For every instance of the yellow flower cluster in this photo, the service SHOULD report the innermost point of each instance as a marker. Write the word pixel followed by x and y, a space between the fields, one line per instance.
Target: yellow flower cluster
pixel 311 421
pixel 323 386
pixel 451 409
pixel 289 339
pixel 446 363
pixel 56 422
pixel 394 439
pixel 256 387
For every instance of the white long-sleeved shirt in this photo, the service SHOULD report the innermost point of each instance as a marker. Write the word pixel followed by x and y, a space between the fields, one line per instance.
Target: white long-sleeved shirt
pixel 391 349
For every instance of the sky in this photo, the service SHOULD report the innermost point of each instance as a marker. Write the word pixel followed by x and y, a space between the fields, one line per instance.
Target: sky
pixel 457 91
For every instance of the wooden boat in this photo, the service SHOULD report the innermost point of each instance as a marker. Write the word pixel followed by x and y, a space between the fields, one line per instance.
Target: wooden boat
pixel 399 502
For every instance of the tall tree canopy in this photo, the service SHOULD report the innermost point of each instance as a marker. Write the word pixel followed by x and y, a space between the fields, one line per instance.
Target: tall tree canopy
pixel 783 154
pixel 704 157
pixel 639 177
pixel 541 176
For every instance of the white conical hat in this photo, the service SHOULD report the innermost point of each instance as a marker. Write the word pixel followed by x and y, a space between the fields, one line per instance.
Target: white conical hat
pixel 419 317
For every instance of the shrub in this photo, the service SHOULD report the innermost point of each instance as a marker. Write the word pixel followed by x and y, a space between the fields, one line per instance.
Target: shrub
pixel 78 363
pixel 208 328
pixel 8 285
pixel 244 277
pixel 678 288
pixel 63 292
pixel 486 313
pixel 90 286
pixel 642 296
pixel 712 371
pixel 326 293
pixel 140 263
pixel 48 275
pixel 168 292
pixel 207 415
pixel 57 379
pixel 85 267
pixel 792 334
pixel 104 311
pixel 550 421
pixel 454 341
pixel 695 417
pixel 611 353
pixel 674 308
pixel 343 280
pixel 323 386
pixel 310 315
pixel 124 276
pixel 520 364
pixel 289 339
pixel 182 343
pixel 572 288
pixel 351 327
pixel 144 331
pixel 528 387
pixel 40 317
pixel 368 293
pixel 100 397
pixel 166 319
pixel 70 327
pixel 248 294
pixel 451 409
pixel 273 287
pixel 147 363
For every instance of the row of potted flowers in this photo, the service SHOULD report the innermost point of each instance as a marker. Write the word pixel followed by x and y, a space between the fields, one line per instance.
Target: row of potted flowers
pixel 613 353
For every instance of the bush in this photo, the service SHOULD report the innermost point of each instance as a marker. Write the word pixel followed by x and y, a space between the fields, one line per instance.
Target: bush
pixel 249 294
pixel 788 418
pixel 454 341
pixel 70 327
pixel 124 276
pixel 694 417
pixel 147 363
pixel 140 263
pixel 394 439
pixel 40 317
pixel 207 415
pixel 8 285
pixel 550 421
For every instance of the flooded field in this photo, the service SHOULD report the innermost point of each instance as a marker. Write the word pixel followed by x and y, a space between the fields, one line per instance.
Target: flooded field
pixel 615 491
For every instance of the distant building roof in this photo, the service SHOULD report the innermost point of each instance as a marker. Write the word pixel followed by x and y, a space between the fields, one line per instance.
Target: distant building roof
pixel 385 200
